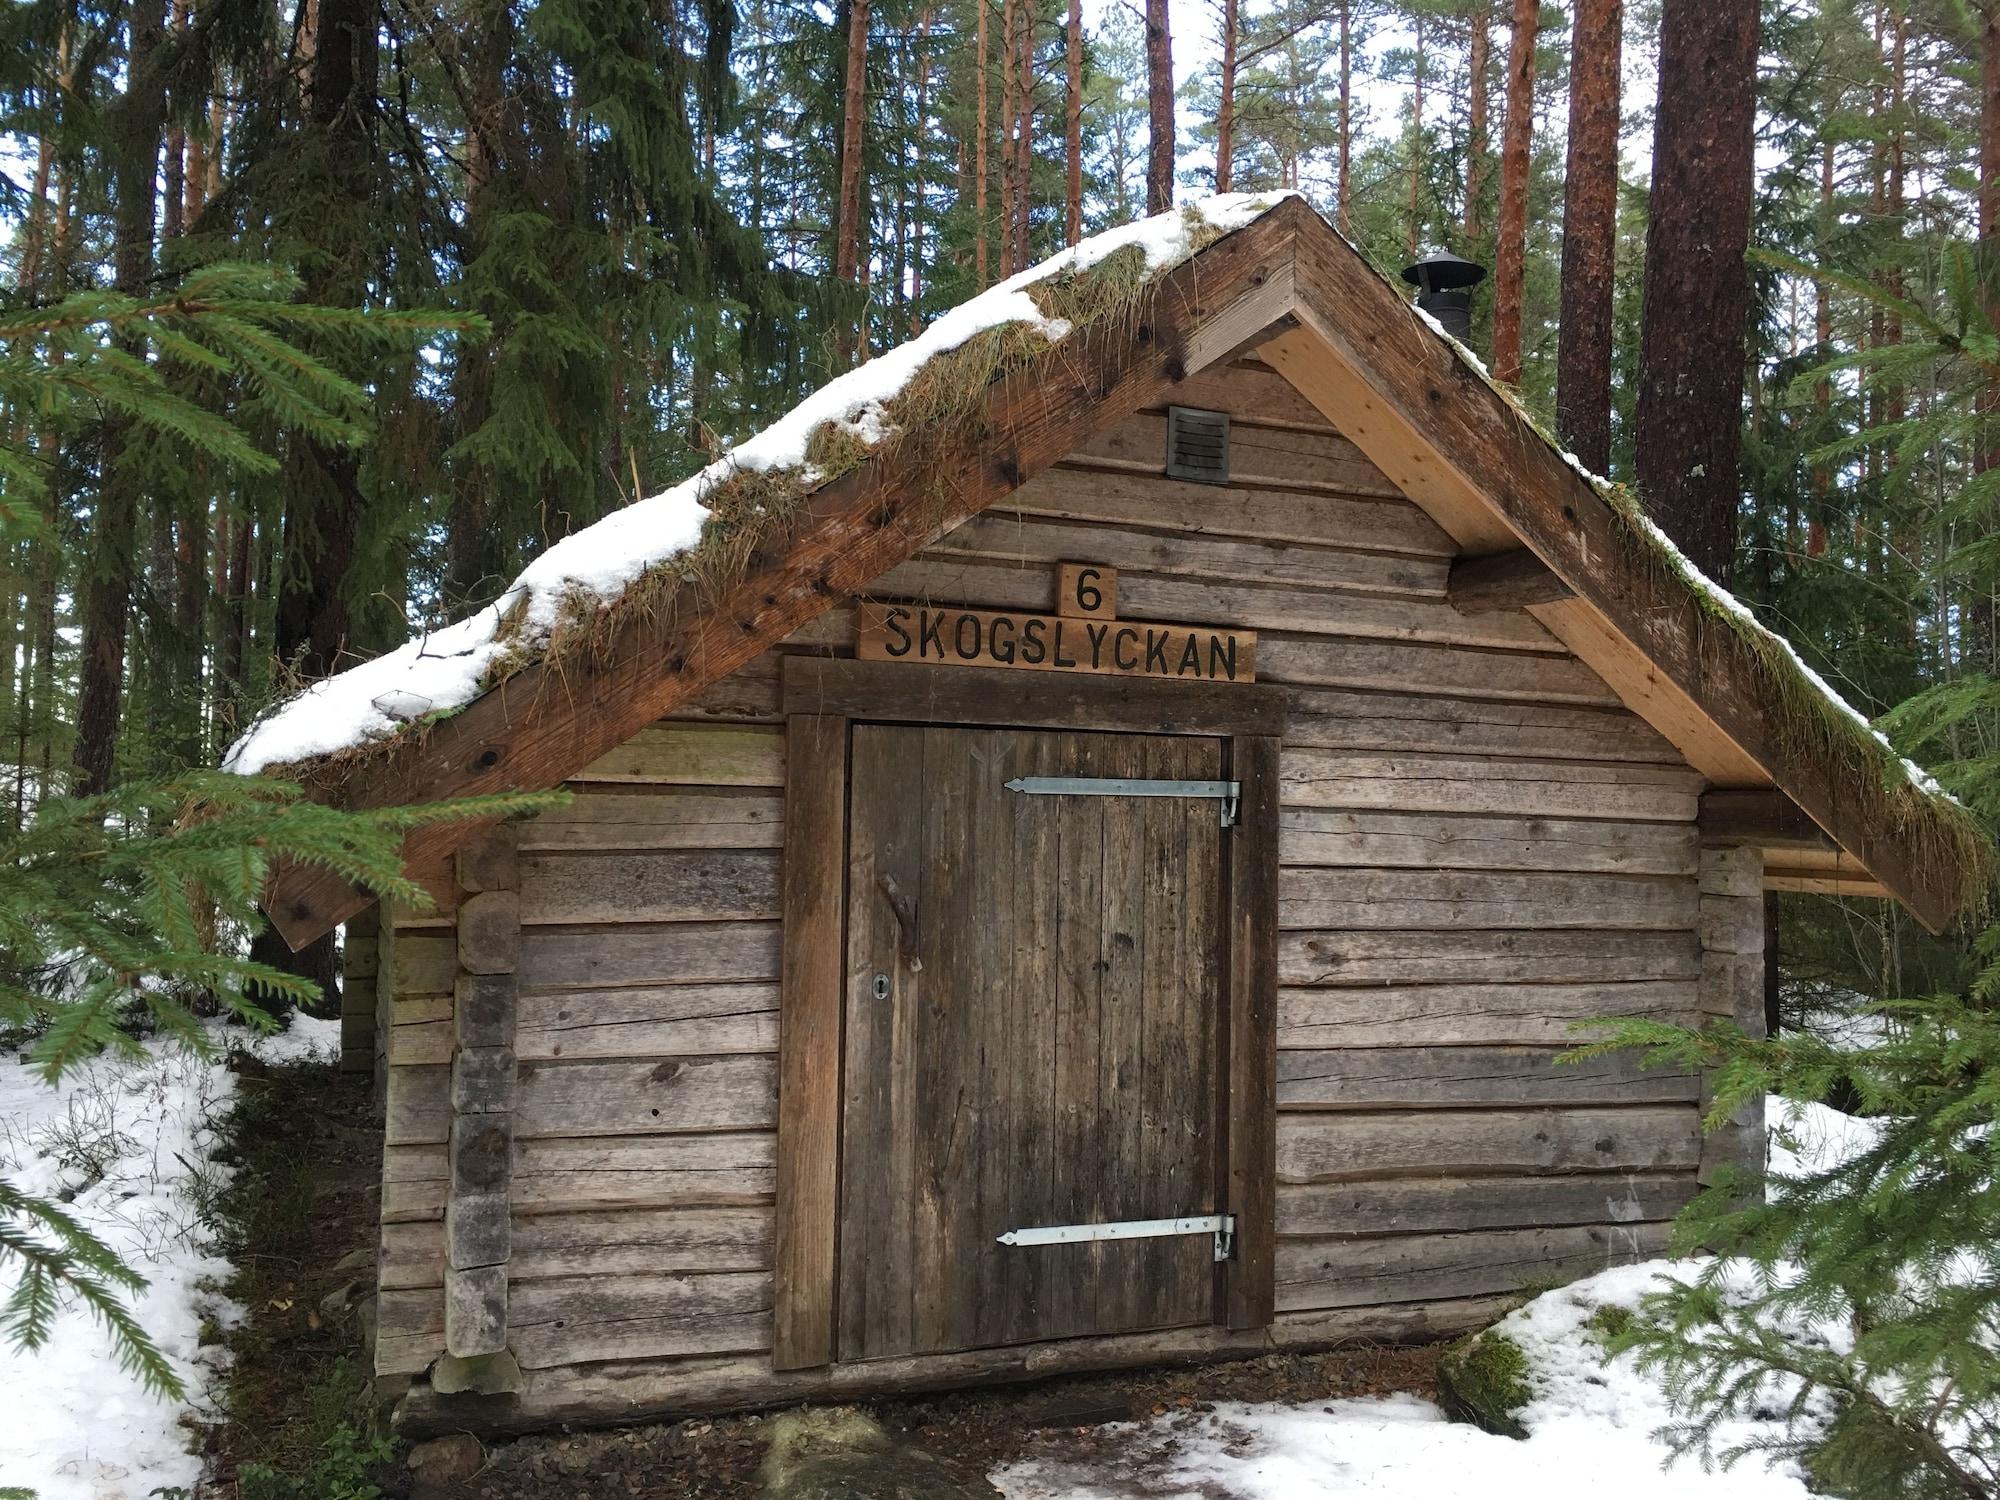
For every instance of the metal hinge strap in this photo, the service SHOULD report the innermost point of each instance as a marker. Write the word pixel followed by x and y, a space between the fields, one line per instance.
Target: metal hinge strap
pixel 1222 1226
pixel 1227 792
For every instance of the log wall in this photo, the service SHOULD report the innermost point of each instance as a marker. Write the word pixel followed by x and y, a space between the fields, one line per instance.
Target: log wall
pixel 1479 846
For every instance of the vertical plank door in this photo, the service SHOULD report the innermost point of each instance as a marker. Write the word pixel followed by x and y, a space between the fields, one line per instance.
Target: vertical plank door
pixel 1048 1048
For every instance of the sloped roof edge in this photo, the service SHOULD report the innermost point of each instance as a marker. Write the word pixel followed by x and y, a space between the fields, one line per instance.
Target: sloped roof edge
pixel 866 472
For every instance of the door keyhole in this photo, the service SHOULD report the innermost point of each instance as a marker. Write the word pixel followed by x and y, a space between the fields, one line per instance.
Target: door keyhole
pixel 881 987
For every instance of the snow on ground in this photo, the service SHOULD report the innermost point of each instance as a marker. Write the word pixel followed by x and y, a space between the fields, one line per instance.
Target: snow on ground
pixel 445 669
pixel 127 1141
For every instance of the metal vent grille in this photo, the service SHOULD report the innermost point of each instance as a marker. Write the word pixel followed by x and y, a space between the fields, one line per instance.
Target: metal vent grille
pixel 1197 445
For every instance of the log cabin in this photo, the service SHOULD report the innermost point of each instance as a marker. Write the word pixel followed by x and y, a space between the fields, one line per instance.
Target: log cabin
pixel 1083 846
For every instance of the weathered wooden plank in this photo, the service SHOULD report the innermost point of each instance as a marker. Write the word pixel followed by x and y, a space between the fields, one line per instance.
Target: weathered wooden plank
pixel 1252 392
pixel 423 963
pixel 486 861
pixel 1434 1205
pixel 691 885
pixel 660 819
pixel 1338 719
pixel 419 1104
pixel 641 1389
pixel 1365 520
pixel 570 1321
pixel 1427 667
pixel 1021 538
pixel 1223 605
pixel 1559 956
pixel 1760 816
pixel 748 695
pixel 961 695
pixel 1453 841
pixel 809 1074
pixel 684 1020
pixel 1435 900
pixel 421 1042
pixel 1255 886
pixel 1504 581
pixel 694 755
pixel 1450 783
pixel 642 1242
pixel 1257 455
pixel 635 954
pixel 1412 1268
pixel 1458 1015
pixel 647 1097
pixel 727 1170
pixel 1334 1148
pixel 1438 1076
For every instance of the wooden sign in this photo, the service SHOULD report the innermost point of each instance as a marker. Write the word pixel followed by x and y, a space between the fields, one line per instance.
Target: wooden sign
pixel 1084 635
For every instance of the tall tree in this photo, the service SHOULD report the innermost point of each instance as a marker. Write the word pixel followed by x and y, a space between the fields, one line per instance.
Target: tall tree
pixel 1478 50
pixel 854 114
pixel 1159 109
pixel 1073 124
pixel 981 170
pixel 1590 231
pixel 1691 343
pixel 1344 149
pixel 138 119
pixel 1511 248
pixel 1225 109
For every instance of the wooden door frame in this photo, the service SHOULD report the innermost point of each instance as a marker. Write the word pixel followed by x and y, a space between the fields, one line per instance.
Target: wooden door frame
pixel 823 697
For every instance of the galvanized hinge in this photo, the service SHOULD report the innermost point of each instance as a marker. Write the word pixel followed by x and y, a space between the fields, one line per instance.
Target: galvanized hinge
pixel 1222 1226
pixel 1227 792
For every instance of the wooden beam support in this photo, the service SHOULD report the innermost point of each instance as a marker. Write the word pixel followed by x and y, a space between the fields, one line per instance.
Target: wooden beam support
pixel 541 725
pixel 1503 580
pixel 1732 989
pixel 1763 816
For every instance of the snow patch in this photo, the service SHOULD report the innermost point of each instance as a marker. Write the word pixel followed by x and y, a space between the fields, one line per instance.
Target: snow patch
pixel 445 669
pixel 130 1139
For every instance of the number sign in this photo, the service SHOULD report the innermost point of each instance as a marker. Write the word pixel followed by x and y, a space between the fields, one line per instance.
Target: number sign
pixel 1084 635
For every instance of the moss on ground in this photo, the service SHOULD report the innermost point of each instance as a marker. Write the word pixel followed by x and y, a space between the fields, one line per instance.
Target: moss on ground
pixel 1483 1379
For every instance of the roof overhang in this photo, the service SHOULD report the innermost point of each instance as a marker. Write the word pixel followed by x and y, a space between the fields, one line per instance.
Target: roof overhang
pixel 1289 286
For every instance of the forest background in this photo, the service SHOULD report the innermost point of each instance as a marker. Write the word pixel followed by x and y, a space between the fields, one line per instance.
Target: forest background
pixel 629 232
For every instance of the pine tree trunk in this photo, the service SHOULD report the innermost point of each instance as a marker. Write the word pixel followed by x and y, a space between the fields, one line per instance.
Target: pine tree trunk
pixel 1413 241
pixel 1024 139
pixel 916 320
pixel 1073 124
pixel 1225 108
pixel 1822 472
pixel 1009 116
pixel 1590 236
pixel 1511 252
pixel 1344 125
pixel 1476 62
pixel 854 109
pixel 1159 109
pixel 1692 337
pixel 983 82
pixel 106 601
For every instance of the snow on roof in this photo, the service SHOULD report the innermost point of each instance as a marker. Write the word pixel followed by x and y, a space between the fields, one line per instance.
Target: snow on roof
pixel 444 669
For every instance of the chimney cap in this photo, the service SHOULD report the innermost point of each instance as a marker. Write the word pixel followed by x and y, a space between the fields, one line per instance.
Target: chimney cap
pixel 1443 271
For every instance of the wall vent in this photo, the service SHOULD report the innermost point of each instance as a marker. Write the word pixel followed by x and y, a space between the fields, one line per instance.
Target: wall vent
pixel 1198 445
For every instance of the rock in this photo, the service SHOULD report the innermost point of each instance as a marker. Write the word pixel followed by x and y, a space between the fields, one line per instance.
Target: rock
pixel 356 1260
pixel 1483 1379
pixel 337 1301
pixel 839 1453
pixel 446 1460
pixel 478 1375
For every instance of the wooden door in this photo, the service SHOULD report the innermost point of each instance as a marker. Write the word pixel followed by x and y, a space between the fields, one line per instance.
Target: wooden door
pixel 1048 1050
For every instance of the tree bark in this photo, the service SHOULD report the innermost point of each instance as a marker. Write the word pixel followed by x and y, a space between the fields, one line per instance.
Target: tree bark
pixel 106 591
pixel 1024 140
pixel 1344 125
pixel 854 109
pixel 1511 252
pixel 1476 62
pixel 1590 236
pixel 1159 109
pixel 980 266
pixel 1225 108
pixel 916 322
pixel 1010 112
pixel 1073 124
pixel 1413 241
pixel 1692 336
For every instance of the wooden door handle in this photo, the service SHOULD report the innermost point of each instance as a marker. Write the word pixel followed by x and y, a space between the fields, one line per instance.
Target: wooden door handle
pixel 906 921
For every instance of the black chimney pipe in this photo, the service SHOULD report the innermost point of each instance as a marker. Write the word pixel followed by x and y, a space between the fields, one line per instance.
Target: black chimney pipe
pixel 1444 284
